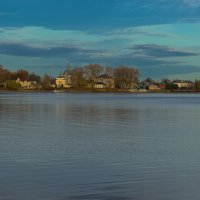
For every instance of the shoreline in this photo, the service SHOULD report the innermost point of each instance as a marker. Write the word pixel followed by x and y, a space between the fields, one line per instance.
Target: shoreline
pixel 99 91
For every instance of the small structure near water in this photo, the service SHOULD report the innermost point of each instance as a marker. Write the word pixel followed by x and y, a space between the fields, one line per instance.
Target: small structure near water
pixel 25 84
pixel 64 80
pixel 104 81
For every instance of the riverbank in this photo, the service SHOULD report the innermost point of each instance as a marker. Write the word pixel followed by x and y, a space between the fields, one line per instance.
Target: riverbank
pixel 92 90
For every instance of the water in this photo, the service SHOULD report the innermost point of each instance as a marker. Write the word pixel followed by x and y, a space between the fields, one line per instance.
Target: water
pixel 99 146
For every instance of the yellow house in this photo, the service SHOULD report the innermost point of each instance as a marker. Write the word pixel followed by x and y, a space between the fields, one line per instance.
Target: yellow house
pixel 64 80
pixel 60 81
pixel 26 84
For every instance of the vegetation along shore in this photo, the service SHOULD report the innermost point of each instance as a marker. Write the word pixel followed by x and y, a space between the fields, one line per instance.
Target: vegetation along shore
pixel 92 78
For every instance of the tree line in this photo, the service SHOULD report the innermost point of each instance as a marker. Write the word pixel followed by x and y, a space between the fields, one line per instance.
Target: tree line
pixel 22 74
pixel 8 78
pixel 123 76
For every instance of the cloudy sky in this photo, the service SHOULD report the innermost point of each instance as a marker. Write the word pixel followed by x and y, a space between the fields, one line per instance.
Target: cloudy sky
pixel 159 37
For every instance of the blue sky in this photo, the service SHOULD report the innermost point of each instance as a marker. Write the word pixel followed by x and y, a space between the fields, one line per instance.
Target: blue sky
pixel 159 37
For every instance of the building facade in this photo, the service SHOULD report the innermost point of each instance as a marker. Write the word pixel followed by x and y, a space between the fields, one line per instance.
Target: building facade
pixel 64 80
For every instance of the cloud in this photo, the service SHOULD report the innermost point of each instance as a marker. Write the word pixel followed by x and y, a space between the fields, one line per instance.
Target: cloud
pixel 42 37
pixel 100 15
pixel 166 71
pixel 7 13
pixel 185 76
pixel 162 4
pixel 190 20
pixel 144 12
pixel 167 48
pixel 192 3
pixel 23 50
pixel 135 31
pixel 154 50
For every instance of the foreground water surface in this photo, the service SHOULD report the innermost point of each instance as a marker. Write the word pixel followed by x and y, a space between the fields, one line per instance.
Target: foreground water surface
pixel 99 146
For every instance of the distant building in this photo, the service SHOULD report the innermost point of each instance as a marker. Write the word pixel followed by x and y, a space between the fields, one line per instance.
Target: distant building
pixel 142 85
pixel 162 85
pixel 64 80
pixel 182 84
pixel 60 81
pixel 25 84
pixel 104 81
pixel 153 86
pixel 99 85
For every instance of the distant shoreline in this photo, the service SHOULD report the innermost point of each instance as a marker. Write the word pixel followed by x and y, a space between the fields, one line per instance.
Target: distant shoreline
pixel 100 91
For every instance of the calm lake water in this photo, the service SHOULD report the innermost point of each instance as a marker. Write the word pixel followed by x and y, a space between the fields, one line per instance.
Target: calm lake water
pixel 99 146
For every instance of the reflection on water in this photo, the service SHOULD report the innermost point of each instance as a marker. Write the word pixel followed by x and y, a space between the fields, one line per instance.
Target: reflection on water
pixel 99 146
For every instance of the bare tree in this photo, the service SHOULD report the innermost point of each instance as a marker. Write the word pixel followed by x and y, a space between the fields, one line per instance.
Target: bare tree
pixel 125 77
pixel 34 77
pixel 93 71
pixel 4 75
pixel 46 82
pixel 21 74
pixel 110 71
pixel 79 77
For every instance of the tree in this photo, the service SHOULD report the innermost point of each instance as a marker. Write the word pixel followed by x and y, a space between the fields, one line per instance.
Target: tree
pixel 165 80
pixel 149 80
pixel 22 74
pixel 34 77
pixel 197 84
pixel 171 86
pixel 4 75
pixel 46 82
pixel 93 71
pixel 125 77
pixel 79 78
pixel 110 72
pixel 12 85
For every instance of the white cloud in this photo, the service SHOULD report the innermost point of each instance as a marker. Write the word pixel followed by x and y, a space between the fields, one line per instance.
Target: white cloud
pixel 109 47
pixel 117 40
pixel 192 3
pixel 43 37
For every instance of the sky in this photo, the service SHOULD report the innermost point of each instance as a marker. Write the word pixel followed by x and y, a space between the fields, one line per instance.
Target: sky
pixel 161 38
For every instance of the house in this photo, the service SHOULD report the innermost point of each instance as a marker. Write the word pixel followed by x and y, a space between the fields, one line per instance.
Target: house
pixel 162 85
pixel 99 85
pixel 64 80
pixel 153 86
pixel 182 84
pixel 143 85
pixel 60 81
pixel 104 81
pixel 25 84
